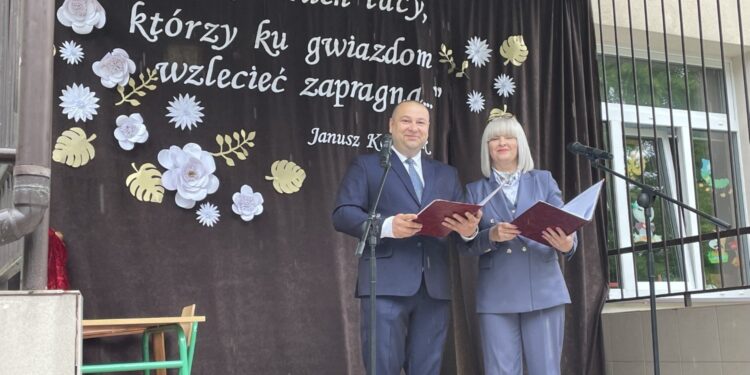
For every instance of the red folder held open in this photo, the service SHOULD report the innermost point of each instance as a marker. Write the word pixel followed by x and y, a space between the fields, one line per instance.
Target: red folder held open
pixel 431 217
pixel 569 218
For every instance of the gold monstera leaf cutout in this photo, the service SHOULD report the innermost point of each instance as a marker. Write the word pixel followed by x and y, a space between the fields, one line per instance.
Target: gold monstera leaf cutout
pixel 74 148
pixel 514 50
pixel 145 183
pixel 287 177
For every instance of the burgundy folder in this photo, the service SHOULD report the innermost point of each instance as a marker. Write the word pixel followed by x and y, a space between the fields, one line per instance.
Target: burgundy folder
pixel 543 215
pixel 432 216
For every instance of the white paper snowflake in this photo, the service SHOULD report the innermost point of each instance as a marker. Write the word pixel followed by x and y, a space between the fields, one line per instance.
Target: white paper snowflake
pixel 208 214
pixel 79 103
pixel 504 85
pixel 475 101
pixel 71 52
pixel 185 112
pixel 478 51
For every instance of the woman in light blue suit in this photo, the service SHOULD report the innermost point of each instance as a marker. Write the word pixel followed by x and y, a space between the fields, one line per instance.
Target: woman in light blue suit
pixel 521 293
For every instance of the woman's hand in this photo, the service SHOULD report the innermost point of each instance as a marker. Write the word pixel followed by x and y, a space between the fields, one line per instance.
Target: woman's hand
pixel 502 232
pixel 558 239
pixel 465 225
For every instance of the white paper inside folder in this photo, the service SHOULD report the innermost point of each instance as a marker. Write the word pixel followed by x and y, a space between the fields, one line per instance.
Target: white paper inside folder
pixel 584 204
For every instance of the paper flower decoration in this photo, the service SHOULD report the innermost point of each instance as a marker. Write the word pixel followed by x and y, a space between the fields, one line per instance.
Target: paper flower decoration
pixel 478 51
pixel 82 15
pixel 71 52
pixel 208 214
pixel 79 103
pixel 114 68
pixel 475 101
pixel 185 112
pixel 130 130
pixel 247 204
pixel 189 172
pixel 504 85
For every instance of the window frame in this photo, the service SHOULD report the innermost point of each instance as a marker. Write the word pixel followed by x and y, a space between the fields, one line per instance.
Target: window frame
pixel 613 116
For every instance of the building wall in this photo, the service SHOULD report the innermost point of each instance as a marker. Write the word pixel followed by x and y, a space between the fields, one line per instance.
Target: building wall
pixel 692 341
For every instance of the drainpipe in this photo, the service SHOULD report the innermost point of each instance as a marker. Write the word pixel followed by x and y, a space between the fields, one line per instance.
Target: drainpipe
pixel 31 188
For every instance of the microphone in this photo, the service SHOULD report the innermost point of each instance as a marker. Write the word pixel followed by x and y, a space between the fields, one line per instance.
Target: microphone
pixel 386 142
pixel 588 152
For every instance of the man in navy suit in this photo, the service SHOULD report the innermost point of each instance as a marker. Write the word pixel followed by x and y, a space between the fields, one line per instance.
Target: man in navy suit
pixel 413 282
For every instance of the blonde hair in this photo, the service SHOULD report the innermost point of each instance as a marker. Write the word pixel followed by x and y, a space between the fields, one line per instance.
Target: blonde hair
pixel 505 126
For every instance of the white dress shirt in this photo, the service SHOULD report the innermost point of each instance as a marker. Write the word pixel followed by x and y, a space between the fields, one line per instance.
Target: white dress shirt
pixel 387 228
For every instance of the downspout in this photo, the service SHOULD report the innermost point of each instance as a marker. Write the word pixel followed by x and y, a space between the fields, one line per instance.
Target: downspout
pixel 31 190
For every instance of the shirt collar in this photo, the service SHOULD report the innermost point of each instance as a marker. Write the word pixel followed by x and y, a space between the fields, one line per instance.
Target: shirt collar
pixel 417 158
pixel 507 178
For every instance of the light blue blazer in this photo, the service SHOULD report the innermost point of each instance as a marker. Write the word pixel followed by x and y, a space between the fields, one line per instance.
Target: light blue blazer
pixel 519 275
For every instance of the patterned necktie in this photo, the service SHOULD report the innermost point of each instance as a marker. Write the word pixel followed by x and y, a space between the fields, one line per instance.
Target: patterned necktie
pixel 415 181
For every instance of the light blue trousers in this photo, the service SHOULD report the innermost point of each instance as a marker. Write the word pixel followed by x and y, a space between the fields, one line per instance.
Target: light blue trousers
pixel 535 335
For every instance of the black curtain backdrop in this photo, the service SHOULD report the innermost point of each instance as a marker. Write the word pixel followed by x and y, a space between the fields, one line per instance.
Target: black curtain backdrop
pixel 277 291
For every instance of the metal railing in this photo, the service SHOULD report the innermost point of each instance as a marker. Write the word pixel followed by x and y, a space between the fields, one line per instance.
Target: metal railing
pixel 677 117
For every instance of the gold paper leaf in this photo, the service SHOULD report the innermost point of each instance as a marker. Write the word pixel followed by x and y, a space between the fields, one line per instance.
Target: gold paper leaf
pixel 514 50
pixel 287 177
pixel 146 83
pixel 447 58
pixel 73 148
pixel 237 148
pixel 145 183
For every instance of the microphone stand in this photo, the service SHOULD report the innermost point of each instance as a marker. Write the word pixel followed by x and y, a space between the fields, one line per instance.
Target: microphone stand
pixel 646 200
pixel 371 235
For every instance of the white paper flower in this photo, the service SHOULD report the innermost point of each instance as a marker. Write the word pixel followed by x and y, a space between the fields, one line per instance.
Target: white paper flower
pixel 79 103
pixel 247 204
pixel 504 85
pixel 478 51
pixel 189 172
pixel 114 68
pixel 208 214
pixel 130 130
pixel 71 52
pixel 475 101
pixel 185 112
pixel 82 15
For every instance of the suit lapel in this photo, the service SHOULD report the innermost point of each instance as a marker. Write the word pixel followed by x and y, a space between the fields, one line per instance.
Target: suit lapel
pixel 398 167
pixel 526 193
pixel 498 201
pixel 428 174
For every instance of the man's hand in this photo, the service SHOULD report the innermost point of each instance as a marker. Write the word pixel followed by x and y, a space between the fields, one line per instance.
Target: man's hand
pixel 466 224
pixel 404 225
pixel 558 239
pixel 502 232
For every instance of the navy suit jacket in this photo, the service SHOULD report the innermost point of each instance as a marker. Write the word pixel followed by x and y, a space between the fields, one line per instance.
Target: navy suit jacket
pixel 519 275
pixel 400 262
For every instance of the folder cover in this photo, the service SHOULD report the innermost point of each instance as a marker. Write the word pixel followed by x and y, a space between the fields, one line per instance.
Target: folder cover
pixel 431 217
pixel 569 218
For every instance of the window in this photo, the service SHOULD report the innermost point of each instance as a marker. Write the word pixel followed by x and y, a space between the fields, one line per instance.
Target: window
pixel 685 151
